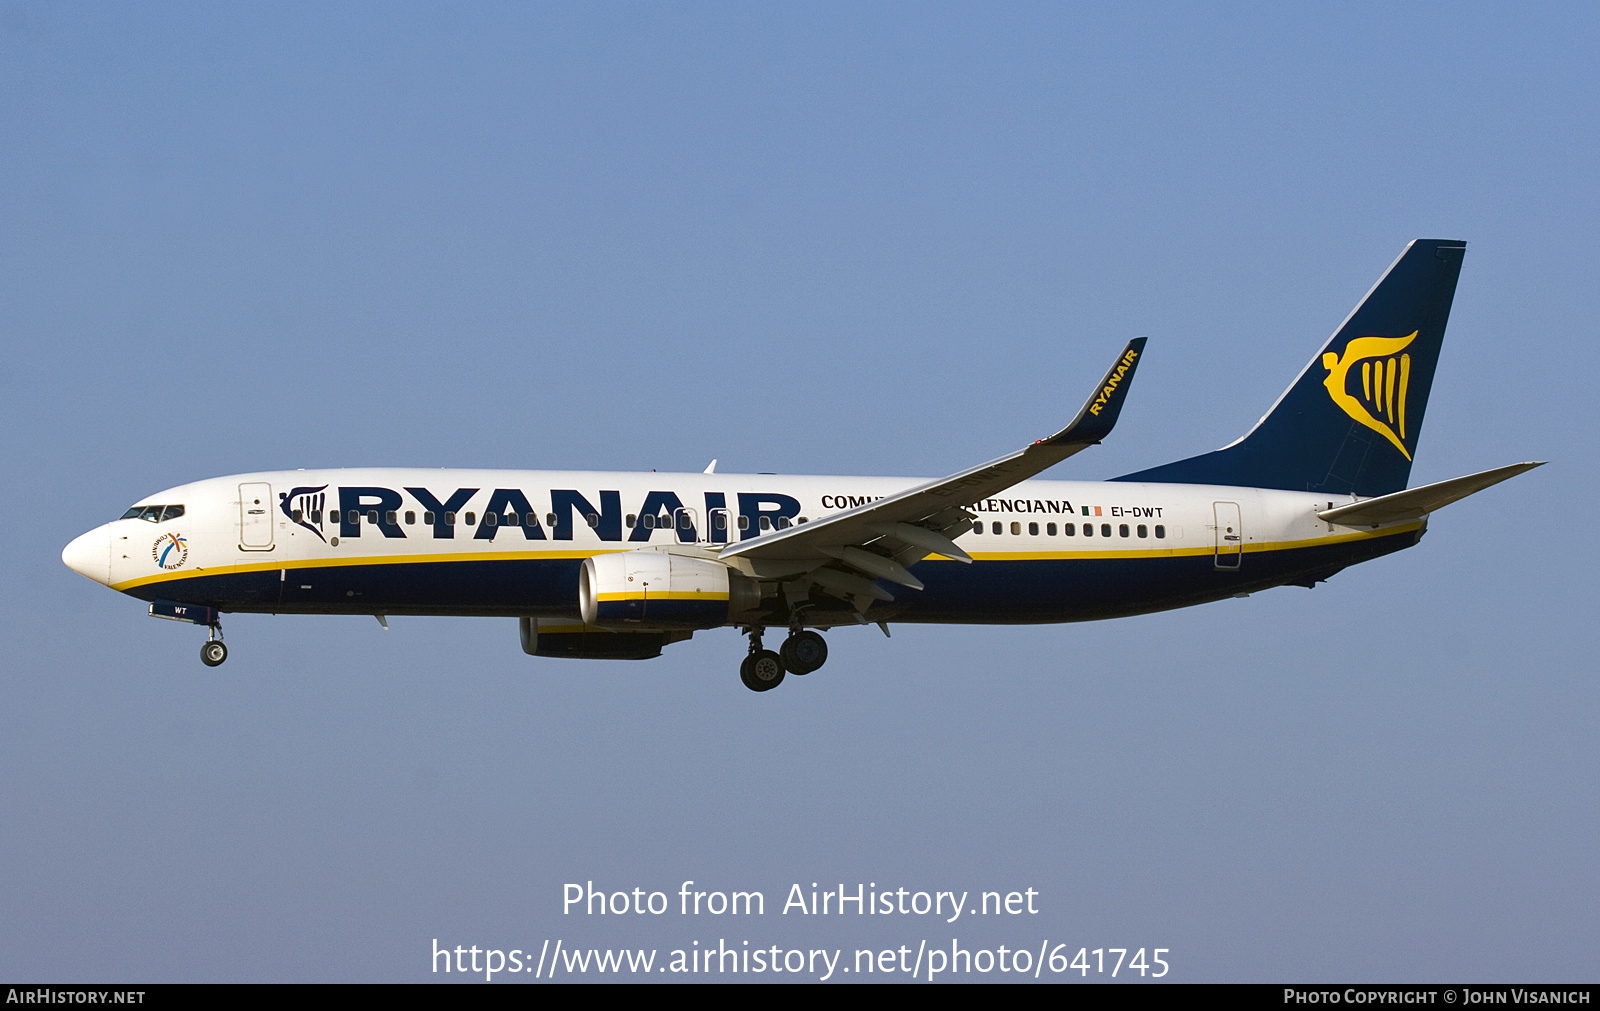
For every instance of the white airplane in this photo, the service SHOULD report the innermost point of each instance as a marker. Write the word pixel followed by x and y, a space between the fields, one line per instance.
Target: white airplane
pixel 616 566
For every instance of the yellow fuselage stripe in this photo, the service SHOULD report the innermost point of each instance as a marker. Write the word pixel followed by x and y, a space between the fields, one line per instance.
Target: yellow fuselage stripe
pixel 663 595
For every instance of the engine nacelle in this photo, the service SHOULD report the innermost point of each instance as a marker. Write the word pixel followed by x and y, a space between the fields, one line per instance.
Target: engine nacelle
pixel 572 641
pixel 655 589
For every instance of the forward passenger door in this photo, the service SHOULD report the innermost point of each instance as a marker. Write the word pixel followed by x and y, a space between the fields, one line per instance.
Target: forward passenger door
pixel 255 516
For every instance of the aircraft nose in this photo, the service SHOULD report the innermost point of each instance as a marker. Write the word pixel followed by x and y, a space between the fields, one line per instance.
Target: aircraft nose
pixel 90 555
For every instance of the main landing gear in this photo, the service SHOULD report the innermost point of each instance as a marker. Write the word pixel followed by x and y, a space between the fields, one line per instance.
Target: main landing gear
pixel 801 653
pixel 214 651
pixel 761 670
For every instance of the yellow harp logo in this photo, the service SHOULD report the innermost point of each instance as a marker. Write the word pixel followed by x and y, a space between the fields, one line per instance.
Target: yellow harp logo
pixel 1385 374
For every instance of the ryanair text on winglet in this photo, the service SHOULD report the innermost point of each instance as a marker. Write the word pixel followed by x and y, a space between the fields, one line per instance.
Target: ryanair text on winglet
pixel 1112 383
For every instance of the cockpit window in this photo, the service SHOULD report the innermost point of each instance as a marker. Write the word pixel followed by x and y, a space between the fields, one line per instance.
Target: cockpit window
pixel 153 513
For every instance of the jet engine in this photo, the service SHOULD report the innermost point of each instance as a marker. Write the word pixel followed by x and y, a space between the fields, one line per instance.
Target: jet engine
pixel 655 589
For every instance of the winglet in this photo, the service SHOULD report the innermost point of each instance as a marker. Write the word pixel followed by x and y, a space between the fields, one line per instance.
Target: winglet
pixel 1095 421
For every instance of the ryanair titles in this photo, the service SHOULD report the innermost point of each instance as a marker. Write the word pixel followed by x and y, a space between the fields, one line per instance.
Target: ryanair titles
pixel 484 514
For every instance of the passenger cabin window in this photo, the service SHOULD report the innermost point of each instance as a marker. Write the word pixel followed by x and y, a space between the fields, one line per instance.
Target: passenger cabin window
pixel 1123 530
pixel 411 518
pixel 472 519
pixel 649 522
pixel 1016 528
pixel 977 526
pixel 1105 530
pixel 1144 531
pixel 766 522
pixel 1033 530
pixel 294 514
pixel 744 523
pixel 491 520
pixel 372 516
pixel 1088 530
pixel 1069 529
pixel 389 517
pixel 428 517
pixel 995 527
pixel 593 519
pixel 1050 528
pixel 629 520
pixel 1161 531
pixel 449 519
pixel 719 521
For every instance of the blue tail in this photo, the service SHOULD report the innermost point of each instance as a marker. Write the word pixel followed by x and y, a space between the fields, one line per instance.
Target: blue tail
pixel 1349 423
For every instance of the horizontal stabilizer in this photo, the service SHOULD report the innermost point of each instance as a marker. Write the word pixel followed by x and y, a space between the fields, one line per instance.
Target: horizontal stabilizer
pixel 1417 502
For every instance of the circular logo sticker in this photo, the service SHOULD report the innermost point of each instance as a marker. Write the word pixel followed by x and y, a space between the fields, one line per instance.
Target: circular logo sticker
pixel 170 551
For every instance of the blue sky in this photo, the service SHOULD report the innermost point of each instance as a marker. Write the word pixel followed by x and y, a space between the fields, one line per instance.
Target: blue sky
pixel 825 239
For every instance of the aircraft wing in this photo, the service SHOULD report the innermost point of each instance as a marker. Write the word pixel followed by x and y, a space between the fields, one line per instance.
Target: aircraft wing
pixel 1414 503
pixel 911 524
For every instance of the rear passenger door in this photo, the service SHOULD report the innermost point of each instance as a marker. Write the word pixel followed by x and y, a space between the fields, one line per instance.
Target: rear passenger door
pixel 1230 536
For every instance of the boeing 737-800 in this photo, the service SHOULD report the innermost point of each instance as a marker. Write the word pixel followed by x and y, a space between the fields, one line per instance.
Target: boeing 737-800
pixel 617 566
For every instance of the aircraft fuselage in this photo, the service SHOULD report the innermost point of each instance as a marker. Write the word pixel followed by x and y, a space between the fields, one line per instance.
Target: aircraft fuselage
pixel 510 543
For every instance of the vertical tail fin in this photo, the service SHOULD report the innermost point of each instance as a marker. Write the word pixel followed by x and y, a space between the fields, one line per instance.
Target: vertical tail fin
pixel 1349 423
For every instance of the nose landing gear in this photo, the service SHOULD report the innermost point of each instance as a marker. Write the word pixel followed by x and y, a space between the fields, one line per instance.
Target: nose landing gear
pixel 213 652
